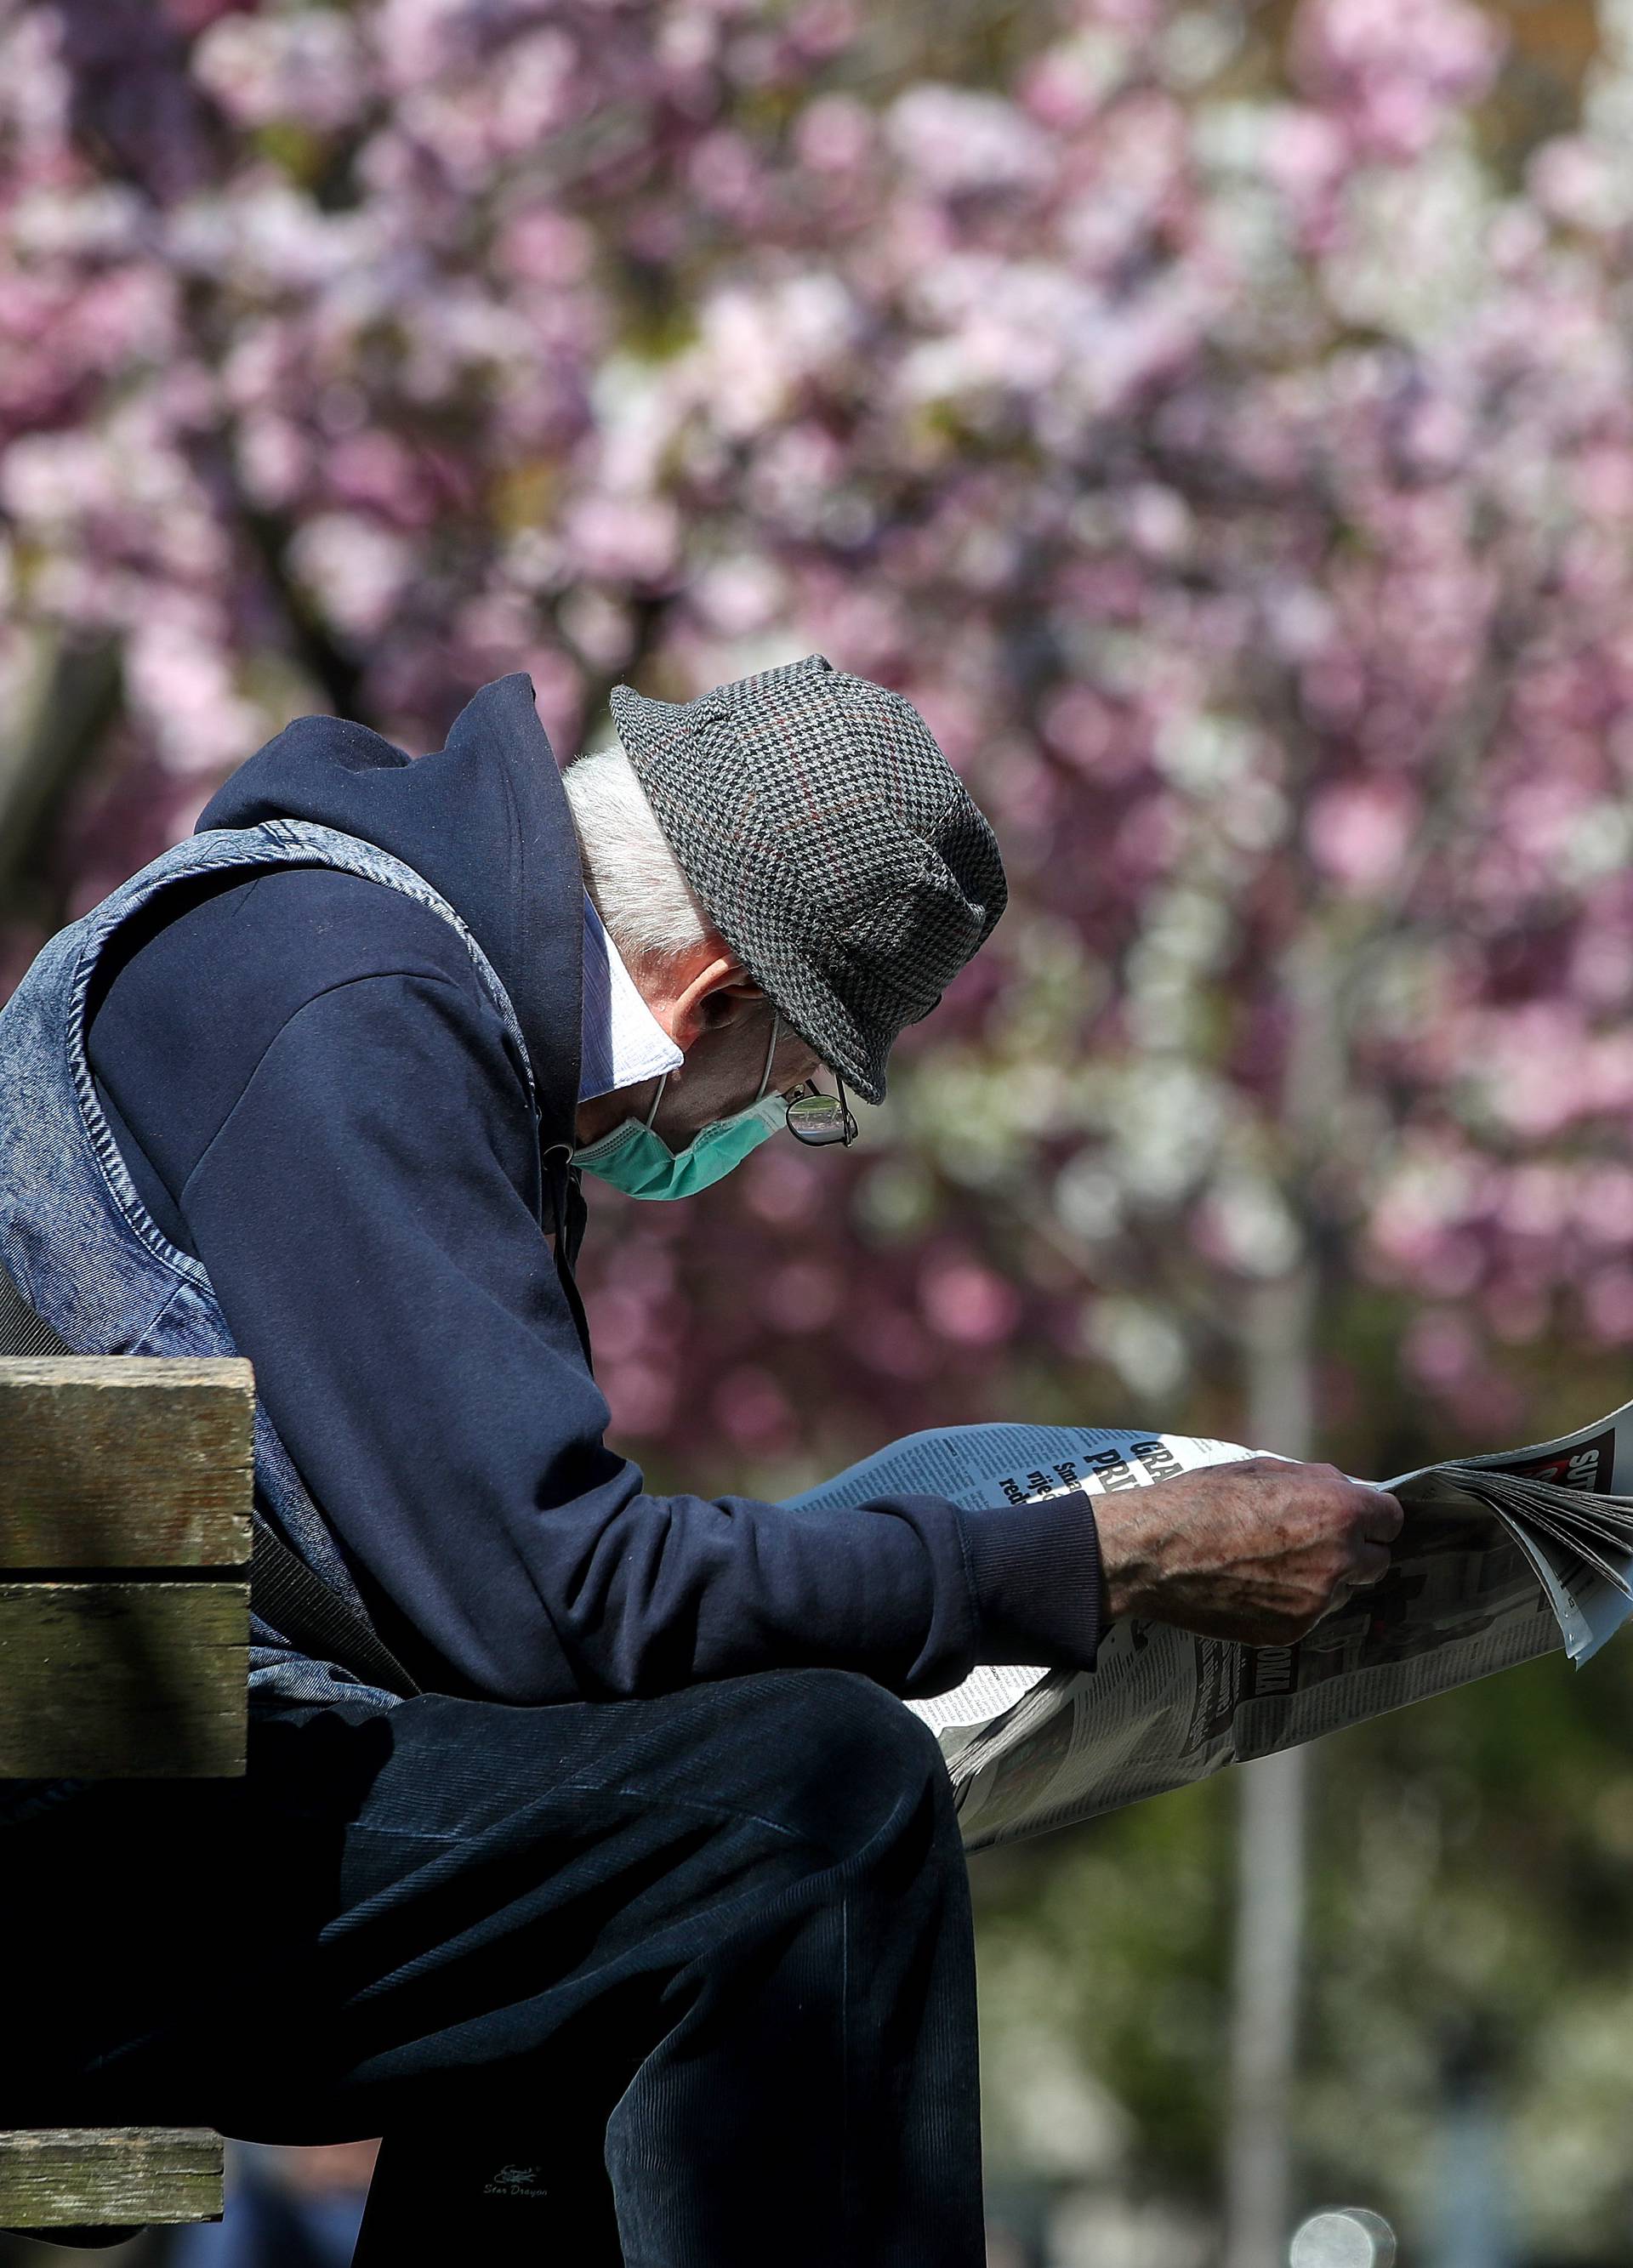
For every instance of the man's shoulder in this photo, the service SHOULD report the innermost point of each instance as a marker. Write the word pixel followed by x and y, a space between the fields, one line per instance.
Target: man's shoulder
pixel 209 979
pixel 325 926
pixel 285 934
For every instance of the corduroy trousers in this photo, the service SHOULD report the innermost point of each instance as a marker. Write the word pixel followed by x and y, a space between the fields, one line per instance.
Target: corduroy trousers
pixel 679 1982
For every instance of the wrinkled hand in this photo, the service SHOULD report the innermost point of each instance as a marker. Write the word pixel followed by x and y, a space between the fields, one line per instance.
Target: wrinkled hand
pixel 1257 1550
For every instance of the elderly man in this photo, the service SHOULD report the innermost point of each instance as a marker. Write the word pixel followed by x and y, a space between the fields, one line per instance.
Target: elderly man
pixel 584 1851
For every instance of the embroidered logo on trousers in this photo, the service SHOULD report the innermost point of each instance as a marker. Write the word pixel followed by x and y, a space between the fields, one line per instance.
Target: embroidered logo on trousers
pixel 516 2182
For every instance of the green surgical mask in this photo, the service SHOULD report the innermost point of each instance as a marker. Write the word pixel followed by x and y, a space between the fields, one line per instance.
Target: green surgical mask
pixel 635 1159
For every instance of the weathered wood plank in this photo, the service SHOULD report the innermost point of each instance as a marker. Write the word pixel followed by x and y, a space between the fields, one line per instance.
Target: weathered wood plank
pixel 117 2176
pixel 124 1680
pixel 125 1461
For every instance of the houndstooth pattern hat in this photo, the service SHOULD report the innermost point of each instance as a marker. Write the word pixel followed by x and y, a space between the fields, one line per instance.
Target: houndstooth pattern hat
pixel 837 850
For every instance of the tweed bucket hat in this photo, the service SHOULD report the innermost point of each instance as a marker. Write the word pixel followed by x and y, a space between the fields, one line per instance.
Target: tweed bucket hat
pixel 837 850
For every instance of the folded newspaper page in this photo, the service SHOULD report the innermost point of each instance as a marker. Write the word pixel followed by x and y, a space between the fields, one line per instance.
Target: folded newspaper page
pixel 1503 1557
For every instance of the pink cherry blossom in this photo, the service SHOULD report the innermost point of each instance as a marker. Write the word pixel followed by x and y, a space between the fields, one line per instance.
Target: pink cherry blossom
pixel 1273 600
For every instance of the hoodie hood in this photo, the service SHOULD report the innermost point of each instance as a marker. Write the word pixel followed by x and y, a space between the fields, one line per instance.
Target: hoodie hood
pixel 485 820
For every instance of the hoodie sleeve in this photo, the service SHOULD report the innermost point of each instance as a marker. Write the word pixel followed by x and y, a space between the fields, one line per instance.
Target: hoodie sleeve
pixel 360 1210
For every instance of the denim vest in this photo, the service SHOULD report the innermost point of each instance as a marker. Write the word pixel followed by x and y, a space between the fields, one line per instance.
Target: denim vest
pixel 75 1234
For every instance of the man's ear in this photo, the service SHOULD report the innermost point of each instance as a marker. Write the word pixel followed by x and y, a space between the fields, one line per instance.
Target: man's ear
pixel 729 1003
pixel 716 994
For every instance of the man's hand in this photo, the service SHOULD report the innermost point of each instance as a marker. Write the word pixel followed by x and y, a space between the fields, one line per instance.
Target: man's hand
pixel 1256 1550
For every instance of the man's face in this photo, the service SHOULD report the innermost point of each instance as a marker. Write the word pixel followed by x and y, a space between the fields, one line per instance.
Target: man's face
pixel 726 1063
pixel 721 1021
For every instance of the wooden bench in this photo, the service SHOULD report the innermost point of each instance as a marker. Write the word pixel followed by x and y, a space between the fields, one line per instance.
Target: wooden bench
pixel 125 1490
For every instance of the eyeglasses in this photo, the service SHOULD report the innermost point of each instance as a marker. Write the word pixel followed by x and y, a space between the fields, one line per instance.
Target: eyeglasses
pixel 817 1118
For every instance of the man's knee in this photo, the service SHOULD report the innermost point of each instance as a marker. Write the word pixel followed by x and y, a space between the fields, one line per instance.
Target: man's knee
pixel 855 1767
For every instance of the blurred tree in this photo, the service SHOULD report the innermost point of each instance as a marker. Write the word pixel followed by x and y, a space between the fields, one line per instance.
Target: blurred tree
pixel 1217 421
pixel 1237 480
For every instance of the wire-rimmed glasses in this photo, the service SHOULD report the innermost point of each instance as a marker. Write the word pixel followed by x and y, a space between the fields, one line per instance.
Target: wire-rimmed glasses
pixel 817 1119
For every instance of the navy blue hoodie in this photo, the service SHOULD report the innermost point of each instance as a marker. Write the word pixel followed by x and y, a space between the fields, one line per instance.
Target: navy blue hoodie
pixel 316 1099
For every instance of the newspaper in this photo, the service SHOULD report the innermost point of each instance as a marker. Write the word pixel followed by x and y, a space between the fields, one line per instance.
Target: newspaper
pixel 1503 1557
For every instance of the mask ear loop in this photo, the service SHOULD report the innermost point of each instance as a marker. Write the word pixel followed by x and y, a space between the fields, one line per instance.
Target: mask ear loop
pixel 771 1054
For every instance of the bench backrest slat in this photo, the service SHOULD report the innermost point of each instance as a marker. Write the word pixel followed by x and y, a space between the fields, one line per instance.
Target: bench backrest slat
pixel 125 1491
pixel 125 1461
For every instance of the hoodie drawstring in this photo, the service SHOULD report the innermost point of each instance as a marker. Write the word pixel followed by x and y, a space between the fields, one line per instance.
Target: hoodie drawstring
pixel 561 1181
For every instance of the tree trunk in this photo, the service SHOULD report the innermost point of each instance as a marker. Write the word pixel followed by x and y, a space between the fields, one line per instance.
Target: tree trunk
pixel 44 753
pixel 1272 1799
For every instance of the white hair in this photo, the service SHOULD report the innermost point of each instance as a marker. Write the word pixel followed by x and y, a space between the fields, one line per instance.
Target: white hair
pixel 651 911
